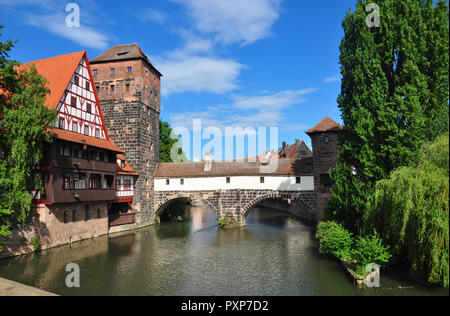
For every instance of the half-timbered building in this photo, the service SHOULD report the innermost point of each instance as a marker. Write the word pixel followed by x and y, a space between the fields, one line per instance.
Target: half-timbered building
pixel 85 175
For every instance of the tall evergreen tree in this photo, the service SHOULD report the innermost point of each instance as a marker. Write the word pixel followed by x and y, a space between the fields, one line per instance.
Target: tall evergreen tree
pixel 24 127
pixel 394 96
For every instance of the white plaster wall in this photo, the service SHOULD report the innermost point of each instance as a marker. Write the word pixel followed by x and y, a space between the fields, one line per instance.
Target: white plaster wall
pixel 279 183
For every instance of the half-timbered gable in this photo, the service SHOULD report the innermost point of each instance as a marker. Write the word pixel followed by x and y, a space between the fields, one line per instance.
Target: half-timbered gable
pixel 78 109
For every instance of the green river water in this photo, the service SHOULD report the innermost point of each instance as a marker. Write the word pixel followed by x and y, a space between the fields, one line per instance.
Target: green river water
pixel 274 255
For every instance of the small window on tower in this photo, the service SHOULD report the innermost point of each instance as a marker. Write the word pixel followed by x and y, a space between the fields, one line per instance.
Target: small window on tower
pixel 128 87
pixel 113 71
pixel 261 180
pixel 167 182
pixel 130 69
pixel 228 180
pixel 326 140
pixel 182 181
pixel 95 72
pixel 325 180
pixel 112 89
pixel 298 180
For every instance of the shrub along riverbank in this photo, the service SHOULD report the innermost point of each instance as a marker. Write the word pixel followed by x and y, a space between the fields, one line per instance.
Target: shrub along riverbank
pixel 356 252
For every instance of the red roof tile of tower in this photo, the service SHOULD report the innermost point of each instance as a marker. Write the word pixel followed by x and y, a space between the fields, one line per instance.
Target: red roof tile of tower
pixel 123 52
pixel 326 125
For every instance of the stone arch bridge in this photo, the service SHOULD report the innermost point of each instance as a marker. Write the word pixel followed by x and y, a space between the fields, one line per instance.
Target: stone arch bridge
pixel 232 189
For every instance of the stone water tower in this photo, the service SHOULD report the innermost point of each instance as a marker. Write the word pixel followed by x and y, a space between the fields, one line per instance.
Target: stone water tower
pixel 129 89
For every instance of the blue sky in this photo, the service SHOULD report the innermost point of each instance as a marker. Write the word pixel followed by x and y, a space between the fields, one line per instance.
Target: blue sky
pixel 249 63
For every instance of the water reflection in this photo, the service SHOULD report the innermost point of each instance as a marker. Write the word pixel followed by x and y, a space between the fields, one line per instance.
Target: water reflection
pixel 274 255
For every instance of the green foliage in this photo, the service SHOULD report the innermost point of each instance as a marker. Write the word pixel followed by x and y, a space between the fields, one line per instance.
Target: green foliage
pixel 394 96
pixel 334 240
pixel 223 223
pixel 368 250
pixel 411 212
pixel 24 127
pixel 36 242
pixel 169 144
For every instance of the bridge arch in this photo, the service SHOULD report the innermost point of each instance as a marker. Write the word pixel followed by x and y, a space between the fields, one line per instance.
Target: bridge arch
pixel 167 200
pixel 296 201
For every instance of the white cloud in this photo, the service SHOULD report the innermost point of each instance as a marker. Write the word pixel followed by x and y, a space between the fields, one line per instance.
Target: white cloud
pixel 50 15
pixel 198 74
pixel 152 15
pixel 234 21
pixel 332 79
pixel 274 101
pixel 253 111
pixel 83 35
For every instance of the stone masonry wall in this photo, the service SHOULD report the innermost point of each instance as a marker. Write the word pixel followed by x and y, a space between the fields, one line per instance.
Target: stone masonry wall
pixel 325 158
pixel 132 120
pixel 58 224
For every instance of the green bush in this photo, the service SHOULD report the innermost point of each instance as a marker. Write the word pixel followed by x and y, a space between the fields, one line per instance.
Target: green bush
pixel 410 210
pixel 357 252
pixel 223 223
pixel 36 243
pixel 368 250
pixel 334 240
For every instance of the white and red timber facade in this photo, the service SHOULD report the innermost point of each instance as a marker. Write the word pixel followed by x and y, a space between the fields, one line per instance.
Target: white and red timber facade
pixel 101 170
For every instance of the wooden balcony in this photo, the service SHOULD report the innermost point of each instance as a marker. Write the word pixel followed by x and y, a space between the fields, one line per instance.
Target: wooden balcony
pixel 122 219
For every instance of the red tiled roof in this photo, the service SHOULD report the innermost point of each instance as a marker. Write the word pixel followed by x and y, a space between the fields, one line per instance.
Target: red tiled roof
pixel 58 71
pixel 127 170
pixel 326 125
pixel 85 140
pixel 196 169
pixel 123 52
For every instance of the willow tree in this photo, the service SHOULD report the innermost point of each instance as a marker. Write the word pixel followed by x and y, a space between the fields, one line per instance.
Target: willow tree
pixel 394 96
pixel 24 127
pixel 411 211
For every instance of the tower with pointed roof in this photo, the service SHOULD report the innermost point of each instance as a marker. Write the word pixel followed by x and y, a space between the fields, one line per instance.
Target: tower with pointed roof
pixel 129 89
pixel 325 143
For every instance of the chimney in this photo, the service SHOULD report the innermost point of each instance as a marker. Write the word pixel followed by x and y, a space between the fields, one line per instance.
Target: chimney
pixel 208 163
